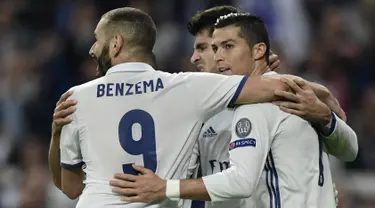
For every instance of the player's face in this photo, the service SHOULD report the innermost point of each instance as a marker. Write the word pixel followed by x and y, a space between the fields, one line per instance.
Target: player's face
pixel 100 51
pixel 203 56
pixel 232 53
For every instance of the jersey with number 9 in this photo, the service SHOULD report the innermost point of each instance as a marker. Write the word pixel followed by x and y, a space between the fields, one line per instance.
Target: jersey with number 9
pixel 136 115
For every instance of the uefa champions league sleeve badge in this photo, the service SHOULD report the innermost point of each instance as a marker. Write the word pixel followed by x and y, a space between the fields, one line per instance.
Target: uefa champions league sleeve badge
pixel 243 128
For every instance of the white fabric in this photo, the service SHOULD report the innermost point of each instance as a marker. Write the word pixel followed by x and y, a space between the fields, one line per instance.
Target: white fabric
pixel 158 116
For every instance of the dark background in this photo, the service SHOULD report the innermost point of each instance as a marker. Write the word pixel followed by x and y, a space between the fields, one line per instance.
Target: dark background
pixel 44 48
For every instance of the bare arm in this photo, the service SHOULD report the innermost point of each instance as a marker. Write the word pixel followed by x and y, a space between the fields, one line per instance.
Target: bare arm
pixel 60 118
pixel 194 189
pixel 260 89
pixel 54 159
pixel 72 182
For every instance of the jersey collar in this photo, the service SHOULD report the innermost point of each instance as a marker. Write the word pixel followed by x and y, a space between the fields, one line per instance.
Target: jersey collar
pixel 130 67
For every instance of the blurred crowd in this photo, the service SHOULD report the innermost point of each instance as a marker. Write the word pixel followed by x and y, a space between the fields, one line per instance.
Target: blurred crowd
pixel 44 48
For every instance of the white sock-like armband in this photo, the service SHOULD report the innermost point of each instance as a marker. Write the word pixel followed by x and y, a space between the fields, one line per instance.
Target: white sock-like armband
pixel 173 190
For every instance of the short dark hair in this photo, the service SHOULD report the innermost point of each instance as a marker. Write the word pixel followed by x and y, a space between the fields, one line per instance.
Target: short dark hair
pixel 206 19
pixel 252 28
pixel 136 26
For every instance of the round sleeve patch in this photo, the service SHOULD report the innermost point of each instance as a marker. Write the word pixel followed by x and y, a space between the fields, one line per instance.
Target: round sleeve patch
pixel 243 127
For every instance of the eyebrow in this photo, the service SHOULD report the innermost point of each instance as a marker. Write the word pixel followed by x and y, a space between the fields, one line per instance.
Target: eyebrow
pixel 222 42
pixel 200 45
pixel 226 41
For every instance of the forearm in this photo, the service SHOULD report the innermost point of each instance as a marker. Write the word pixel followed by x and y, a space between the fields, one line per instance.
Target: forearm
pixel 259 89
pixel 54 159
pixel 194 189
pixel 218 186
pixel 342 142
pixel 229 184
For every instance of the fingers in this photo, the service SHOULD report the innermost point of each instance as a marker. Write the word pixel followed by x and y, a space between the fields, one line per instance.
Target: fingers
pixel 274 62
pixel 292 85
pixel 122 184
pixel 125 191
pixel 132 199
pixel 301 83
pixel 63 121
pixel 273 57
pixel 63 113
pixel 64 97
pixel 126 177
pixel 65 104
pixel 340 113
pixel 292 108
pixel 275 65
pixel 290 105
pixel 292 111
pixel 142 170
pixel 287 95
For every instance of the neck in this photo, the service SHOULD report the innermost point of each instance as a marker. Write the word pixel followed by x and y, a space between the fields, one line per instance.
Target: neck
pixel 144 58
pixel 260 68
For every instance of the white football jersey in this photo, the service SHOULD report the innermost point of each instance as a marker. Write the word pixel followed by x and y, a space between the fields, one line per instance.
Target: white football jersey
pixel 135 114
pixel 327 191
pixel 274 159
pixel 212 148
pixel 213 143
pixel 213 154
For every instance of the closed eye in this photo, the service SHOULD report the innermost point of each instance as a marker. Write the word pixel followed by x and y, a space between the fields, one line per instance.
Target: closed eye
pixel 201 47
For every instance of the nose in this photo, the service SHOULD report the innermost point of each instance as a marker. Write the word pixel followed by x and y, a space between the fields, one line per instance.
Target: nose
pixel 195 57
pixel 218 56
pixel 91 51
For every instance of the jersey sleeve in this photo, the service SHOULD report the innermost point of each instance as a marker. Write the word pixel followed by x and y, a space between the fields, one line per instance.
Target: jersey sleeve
pixel 212 93
pixel 249 147
pixel 70 151
pixel 194 162
pixel 341 140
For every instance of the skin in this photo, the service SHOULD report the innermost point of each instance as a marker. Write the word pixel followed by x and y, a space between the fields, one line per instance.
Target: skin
pixel 203 55
pixel 234 56
pixel 100 49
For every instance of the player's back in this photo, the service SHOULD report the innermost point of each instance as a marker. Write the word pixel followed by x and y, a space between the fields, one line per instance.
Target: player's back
pixel 145 117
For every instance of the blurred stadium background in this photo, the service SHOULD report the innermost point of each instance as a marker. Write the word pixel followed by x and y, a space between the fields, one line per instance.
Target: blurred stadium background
pixel 44 48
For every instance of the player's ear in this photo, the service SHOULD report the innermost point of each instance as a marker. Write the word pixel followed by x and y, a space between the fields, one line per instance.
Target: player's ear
pixel 259 51
pixel 116 45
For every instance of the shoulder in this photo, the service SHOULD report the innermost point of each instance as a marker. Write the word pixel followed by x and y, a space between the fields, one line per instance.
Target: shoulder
pixel 82 87
pixel 79 91
pixel 262 115
pixel 257 109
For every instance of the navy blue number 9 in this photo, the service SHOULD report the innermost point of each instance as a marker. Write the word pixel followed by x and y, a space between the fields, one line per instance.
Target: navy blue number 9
pixel 145 145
